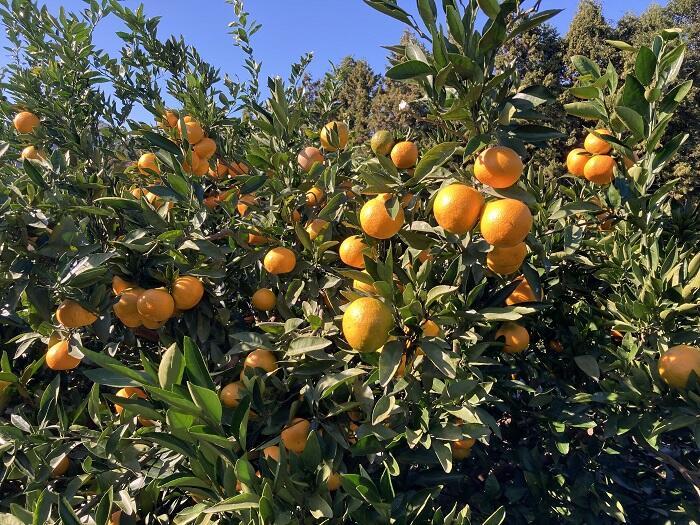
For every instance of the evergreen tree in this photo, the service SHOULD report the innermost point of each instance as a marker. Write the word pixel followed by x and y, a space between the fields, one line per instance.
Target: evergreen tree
pixel 358 86
pixel 587 34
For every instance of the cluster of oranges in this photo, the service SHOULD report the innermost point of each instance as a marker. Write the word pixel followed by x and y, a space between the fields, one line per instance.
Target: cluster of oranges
pixel 593 161
pixel 25 122
pixel 151 308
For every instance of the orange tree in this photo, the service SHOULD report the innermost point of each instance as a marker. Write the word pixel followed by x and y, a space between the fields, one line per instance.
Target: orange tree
pixel 232 316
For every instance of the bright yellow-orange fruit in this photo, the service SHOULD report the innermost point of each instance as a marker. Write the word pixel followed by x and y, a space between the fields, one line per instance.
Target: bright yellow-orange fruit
pixel 272 452
pixel 334 482
pixel 523 294
pixel 153 325
pixel 308 156
pixel 295 434
pixel 316 227
pixel 170 119
pixel 195 133
pixel 505 222
pixel 156 305
pixel 430 328
pixel 188 290
pixel 505 260
pixel 498 167
pixel 462 449
pixel 238 168
pixel 257 240
pixel 260 358
pixel 61 467
pixel 404 155
pixel 230 395
pixel 351 250
pixel 599 169
pixel 340 130
pixel 58 358
pixel 363 286
pixel 25 121
pixel 596 145
pixel 205 148
pixel 315 196
pixel 264 299
pixel 457 208
pixel 367 323
pixel 71 315
pixel 148 161
pixel 126 308
pixel 515 336
pixel 677 363
pixel 382 142
pixel 376 221
pixel 576 160
pixel 244 202
pixel 280 260
pixel 120 284
pixel 32 153
pixel 128 392
pixel 220 171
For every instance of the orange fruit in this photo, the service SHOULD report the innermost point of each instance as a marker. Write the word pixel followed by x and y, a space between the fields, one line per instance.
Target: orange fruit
pixel 430 328
pixel 340 130
pixel 260 358
pixel 221 170
pixel 367 323
pixel 382 142
pixel 170 119
pixel 457 208
pixel 576 160
pixel 188 290
pixel 120 284
pixel 307 157
pixel 128 392
pixel 25 121
pixel 257 240
pixel 363 286
pixel 516 337
pixel 505 260
pixel 264 299
pixel 295 434
pixel 404 155
pixel 498 167
pixel 596 145
pixel 334 482
pixel 205 148
pixel 126 308
pixel 32 153
pixel 148 161
pixel 376 221
pixel 238 168
pixel 195 133
pixel 462 449
pixel 155 305
pixel 599 169
pixel 314 196
pixel 230 395
pixel 505 222
pixel 677 363
pixel 61 467
pixel 272 452
pixel 280 260
pixel 351 251
pixel 316 227
pixel 153 325
pixel 71 315
pixel 244 202
pixel 58 358
pixel 522 294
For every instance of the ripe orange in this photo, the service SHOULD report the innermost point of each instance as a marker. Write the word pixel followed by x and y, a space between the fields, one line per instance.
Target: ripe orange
pixel 351 251
pixel 244 202
pixel 280 260
pixel 230 395
pixel 71 315
pixel 457 208
pixel 367 323
pixel 155 305
pixel 505 222
pixel 307 157
pixel 677 363
pixel 126 393
pixel 382 142
pixel 195 133
pixel 334 482
pixel 363 286
pixel 498 167
pixel 126 308
pixel 505 260
pixel 58 358
pixel 430 328
pixel 153 325
pixel 595 145
pixel 340 130
pixel 295 434
pixel 376 221
pixel 599 169
pixel 148 161
pixel 260 358
pixel 264 299
pixel 316 227
pixel 523 294
pixel 576 160
pixel 220 172
pixel 170 118
pixel 188 290
pixel 404 155
pixel 462 449
pixel 25 121
pixel 205 148
pixel 238 168
pixel 61 467
pixel 272 452
pixel 120 284
pixel 314 196
pixel 516 337
pixel 32 153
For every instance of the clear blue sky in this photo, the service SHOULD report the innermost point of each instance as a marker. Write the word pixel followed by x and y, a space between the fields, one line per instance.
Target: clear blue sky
pixel 331 29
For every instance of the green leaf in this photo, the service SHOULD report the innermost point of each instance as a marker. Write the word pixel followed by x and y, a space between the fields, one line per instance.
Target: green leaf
pixel 585 66
pixel 490 8
pixel 587 110
pixel 496 518
pixel 207 400
pixel 438 292
pixel 389 361
pixel 645 65
pixel 533 21
pixel 409 69
pixel 589 365
pixel 442 361
pixel 663 155
pixel 195 366
pixel 301 345
pixel 622 46
pixel 632 121
pixel 162 143
pixel 633 96
pixel 114 365
pixel 327 385
pixel 172 367
pixel 433 158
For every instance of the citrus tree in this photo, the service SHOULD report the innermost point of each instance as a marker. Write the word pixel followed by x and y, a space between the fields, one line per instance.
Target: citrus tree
pixel 229 315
